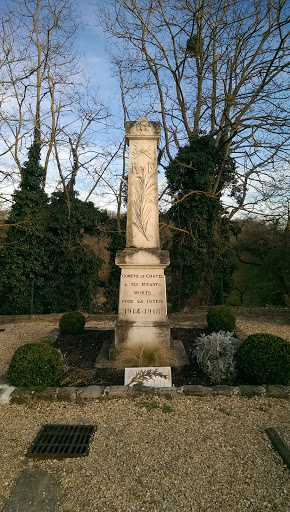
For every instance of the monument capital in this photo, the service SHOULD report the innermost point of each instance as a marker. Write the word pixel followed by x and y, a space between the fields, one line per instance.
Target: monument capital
pixel 143 129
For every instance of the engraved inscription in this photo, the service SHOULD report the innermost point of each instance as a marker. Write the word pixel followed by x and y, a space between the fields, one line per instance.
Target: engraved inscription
pixel 142 294
pixel 139 170
pixel 150 168
pixel 138 311
pixel 137 276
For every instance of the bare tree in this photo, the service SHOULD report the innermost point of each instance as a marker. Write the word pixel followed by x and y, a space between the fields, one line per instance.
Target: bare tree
pixel 12 73
pixel 214 66
pixel 35 42
pixel 46 94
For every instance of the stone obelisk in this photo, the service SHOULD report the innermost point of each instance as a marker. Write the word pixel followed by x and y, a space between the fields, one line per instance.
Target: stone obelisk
pixel 142 300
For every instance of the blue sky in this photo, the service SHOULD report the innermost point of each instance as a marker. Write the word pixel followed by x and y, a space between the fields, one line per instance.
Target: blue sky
pixel 92 44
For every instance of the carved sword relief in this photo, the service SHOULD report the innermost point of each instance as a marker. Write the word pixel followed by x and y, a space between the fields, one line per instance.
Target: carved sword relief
pixel 142 151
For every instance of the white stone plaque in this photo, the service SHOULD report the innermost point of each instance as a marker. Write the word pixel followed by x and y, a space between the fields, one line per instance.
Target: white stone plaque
pixel 154 377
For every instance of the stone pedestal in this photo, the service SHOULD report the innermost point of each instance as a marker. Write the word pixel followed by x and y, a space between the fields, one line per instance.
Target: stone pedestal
pixel 142 300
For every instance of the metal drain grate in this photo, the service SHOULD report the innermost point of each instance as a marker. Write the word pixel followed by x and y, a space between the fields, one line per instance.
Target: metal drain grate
pixel 59 441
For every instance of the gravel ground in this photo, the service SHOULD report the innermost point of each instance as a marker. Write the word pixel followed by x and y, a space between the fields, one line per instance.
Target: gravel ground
pixel 207 454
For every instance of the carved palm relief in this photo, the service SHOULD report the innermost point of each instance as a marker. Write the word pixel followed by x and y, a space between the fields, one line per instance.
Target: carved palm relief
pixel 146 375
pixel 142 203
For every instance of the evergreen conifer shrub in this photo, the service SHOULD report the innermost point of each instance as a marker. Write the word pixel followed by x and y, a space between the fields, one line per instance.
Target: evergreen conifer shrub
pixel 72 323
pixel 35 364
pixel 264 359
pixel 221 318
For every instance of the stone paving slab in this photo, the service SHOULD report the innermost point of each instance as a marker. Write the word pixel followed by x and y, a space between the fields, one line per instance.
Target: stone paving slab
pixel 36 491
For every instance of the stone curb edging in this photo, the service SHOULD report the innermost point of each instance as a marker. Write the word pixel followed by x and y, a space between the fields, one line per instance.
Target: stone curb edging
pixel 5 393
pixel 279 445
pixel 12 395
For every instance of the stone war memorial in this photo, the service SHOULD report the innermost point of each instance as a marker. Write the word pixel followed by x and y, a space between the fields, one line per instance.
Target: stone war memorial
pixel 142 314
pixel 142 317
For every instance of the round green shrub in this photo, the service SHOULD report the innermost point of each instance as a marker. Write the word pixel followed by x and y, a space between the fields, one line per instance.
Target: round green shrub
pixel 264 359
pixel 220 318
pixel 35 364
pixel 72 323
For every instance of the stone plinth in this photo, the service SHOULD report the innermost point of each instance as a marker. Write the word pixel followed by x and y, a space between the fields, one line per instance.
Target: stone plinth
pixel 142 300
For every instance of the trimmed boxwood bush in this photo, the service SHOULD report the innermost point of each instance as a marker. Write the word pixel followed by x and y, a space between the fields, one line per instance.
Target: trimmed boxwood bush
pixel 35 364
pixel 220 318
pixel 72 323
pixel 264 359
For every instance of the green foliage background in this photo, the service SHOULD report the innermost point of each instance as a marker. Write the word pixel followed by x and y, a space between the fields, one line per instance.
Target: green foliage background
pixel 201 258
pixel 44 264
pixel 262 256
